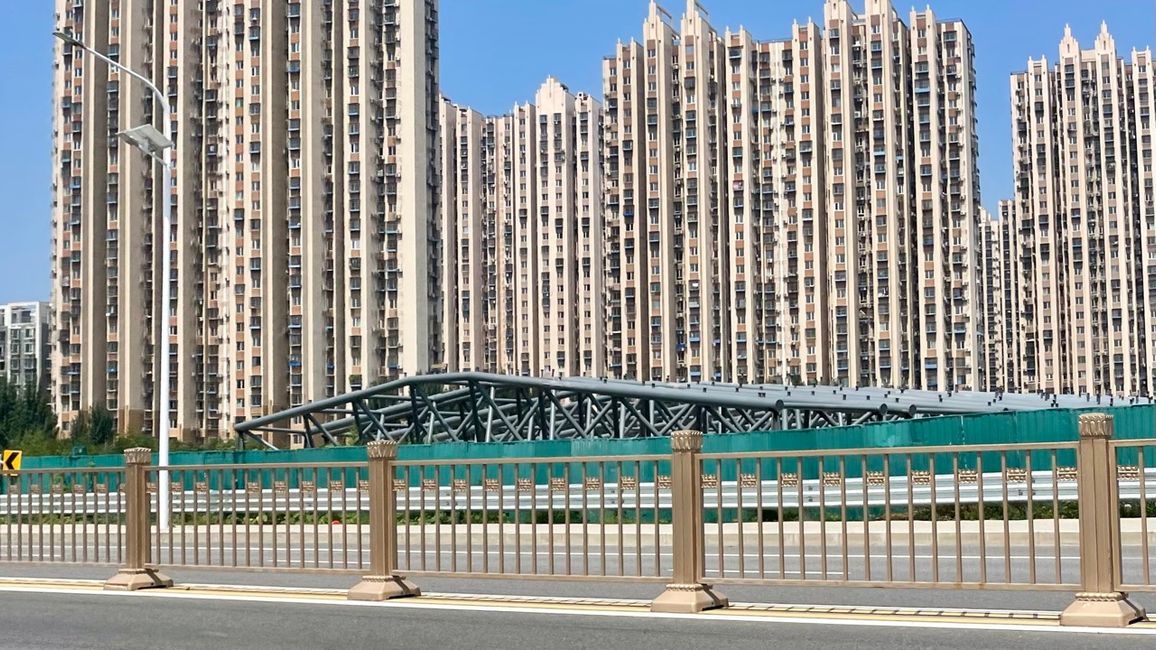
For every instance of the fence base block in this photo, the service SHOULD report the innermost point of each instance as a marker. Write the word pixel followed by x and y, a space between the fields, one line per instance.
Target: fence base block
pixel 1102 610
pixel 688 599
pixel 133 579
pixel 383 588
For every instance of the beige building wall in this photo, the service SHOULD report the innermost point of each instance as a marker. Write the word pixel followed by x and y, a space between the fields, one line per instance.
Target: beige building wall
pixel 557 231
pixel 902 197
pixel 991 359
pixel 1083 198
pixel 1018 369
pixel 80 217
pixel 292 159
pixel 782 232
pixel 129 243
pixel 591 328
pixel 944 126
pixel 1142 108
pixel 568 241
pixel 800 272
pixel 797 210
pixel 641 194
pixel 622 123
pixel 463 231
pixel 448 164
pixel 667 241
pixel 741 159
pixel 24 345
pixel 866 75
pixel 705 257
pixel 411 105
pixel 777 274
pixel 317 225
pixel 522 204
pixel 523 192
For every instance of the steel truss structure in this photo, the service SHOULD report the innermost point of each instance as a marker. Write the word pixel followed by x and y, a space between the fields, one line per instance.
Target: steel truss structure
pixel 472 406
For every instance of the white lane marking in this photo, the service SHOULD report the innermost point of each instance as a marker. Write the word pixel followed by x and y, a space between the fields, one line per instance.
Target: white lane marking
pixel 548 611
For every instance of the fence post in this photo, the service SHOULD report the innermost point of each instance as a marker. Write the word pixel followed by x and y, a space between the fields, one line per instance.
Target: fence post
pixel 687 593
pixel 137 572
pixel 1100 603
pixel 382 583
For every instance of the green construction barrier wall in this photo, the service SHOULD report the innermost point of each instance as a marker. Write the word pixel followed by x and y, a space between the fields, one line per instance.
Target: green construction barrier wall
pixel 1000 428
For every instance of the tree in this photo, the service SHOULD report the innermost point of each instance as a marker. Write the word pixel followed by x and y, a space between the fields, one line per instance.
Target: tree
pixel 28 423
pixel 94 428
pixel 25 411
pixel 102 426
pixel 39 408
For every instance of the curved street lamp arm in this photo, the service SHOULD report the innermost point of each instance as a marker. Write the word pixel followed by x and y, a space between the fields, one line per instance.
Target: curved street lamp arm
pixel 73 41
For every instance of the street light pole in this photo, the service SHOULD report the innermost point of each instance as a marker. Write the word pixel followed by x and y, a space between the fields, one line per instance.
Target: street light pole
pixel 164 149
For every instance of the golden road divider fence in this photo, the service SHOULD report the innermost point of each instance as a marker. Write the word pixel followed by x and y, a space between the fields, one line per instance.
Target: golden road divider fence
pixel 63 516
pixel 1070 516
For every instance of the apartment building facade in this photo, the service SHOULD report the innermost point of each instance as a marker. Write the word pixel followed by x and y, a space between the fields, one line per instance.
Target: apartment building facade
pixel 803 210
pixel 466 218
pixel 799 210
pixel 25 343
pixel 305 219
pixel 522 222
pixel 1080 232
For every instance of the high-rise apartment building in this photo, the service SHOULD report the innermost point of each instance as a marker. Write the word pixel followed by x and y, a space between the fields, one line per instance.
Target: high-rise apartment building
pixel 305 220
pixel 778 293
pixel 569 229
pixel 1080 233
pixel 522 221
pixel 1010 364
pixel 903 202
pixel 992 355
pixel 803 209
pixel 667 234
pixel 516 210
pixel 24 343
pixel 797 210
pixel 465 220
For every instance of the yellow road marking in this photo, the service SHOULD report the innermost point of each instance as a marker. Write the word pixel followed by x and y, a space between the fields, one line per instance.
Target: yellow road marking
pixel 750 611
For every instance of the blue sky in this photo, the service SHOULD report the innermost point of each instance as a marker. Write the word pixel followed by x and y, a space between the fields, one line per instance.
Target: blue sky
pixel 497 52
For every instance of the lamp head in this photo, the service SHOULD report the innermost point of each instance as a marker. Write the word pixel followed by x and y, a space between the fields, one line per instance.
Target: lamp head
pixel 147 138
pixel 69 39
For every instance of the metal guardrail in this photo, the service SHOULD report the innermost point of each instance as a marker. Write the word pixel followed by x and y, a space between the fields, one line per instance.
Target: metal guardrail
pixel 55 525
pixel 844 510
pixel 1134 481
pixel 1044 487
pixel 991 517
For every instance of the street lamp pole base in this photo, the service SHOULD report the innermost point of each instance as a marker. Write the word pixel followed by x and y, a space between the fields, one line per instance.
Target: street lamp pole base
pixel 688 599
pixel 134 579
pixel 383 588
pixel 1102 610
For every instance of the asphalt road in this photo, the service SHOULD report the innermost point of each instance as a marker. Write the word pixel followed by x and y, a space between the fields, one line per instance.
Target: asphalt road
pixel 35 620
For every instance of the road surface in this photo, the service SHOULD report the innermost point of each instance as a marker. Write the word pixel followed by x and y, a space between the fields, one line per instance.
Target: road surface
pixel 820 595
pixel 67 620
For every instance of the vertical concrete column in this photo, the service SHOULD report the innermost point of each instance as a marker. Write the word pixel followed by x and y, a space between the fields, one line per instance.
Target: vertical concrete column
pixel 382 583
pixel 687 593
pixel 1101 603
pixel 137 573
